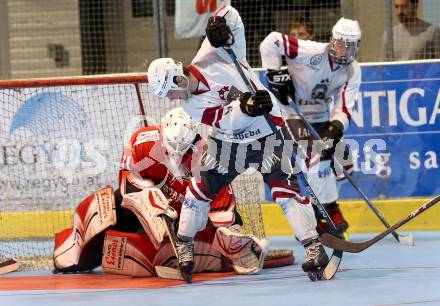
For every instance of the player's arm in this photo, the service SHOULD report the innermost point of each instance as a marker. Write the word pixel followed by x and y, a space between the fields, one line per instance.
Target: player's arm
pixel 346 98
pixel 272 48
pixel 230 117
pixel 226 29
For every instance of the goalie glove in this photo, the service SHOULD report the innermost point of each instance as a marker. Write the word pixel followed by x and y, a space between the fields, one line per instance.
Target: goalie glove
pixel 280 84
pixel 256 104
pixel 245 252
pixel 218 32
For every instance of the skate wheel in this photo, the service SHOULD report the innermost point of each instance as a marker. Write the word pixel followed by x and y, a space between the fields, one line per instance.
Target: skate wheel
pixel 313 275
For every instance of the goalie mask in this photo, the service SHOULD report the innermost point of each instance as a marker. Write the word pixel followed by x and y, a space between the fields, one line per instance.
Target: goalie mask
pixel 179 132
pixel 162 74
pixel 345 41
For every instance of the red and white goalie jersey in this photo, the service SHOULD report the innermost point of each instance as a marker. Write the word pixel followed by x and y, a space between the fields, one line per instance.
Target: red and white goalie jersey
pixel 316 78
pixel 216 102
pixel 145 163
pixel 148 186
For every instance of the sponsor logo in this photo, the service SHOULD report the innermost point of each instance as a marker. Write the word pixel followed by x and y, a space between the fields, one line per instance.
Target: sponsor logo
pixel 281 78
pixel 247 134
pixel 316 59
pixel 147 136
pixel 104 202
pixel 49 112
pixel 114 250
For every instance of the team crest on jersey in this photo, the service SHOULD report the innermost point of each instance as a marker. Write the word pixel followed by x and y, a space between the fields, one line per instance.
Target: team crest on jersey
pixel 229 94
pixel 319 92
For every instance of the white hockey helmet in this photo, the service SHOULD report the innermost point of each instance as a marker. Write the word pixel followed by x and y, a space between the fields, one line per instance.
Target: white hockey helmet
pixel 161 75
pixel 345 41
pixel 179 131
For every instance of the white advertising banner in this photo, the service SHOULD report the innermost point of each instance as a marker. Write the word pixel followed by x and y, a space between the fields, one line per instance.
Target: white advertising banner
pixel 192 16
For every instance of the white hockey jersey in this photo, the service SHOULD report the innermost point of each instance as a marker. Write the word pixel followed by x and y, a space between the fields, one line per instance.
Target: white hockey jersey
pixel 317 79
pixel 216 100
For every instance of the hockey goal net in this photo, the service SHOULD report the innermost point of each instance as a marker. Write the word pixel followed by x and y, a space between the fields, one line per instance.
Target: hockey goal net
pixel 62 139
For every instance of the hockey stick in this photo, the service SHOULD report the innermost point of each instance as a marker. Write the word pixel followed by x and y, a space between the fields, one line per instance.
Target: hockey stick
pixel 356 247
pixel 403 239
pixel 334 262
pixel 167 272
pixel 9 266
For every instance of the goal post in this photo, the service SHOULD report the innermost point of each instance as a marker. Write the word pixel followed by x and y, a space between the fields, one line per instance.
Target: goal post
pixel 60 140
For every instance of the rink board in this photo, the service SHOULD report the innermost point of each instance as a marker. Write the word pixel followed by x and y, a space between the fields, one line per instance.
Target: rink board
pixel 358 214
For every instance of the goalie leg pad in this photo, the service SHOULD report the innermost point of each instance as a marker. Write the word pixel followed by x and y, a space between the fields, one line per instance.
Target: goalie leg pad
pixel 79 248
pixel 206 258
pixel 147 205
pixel 129 254
pixel 246 252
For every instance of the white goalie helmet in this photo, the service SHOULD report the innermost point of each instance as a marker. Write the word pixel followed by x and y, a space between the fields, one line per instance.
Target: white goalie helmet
pixel 345 41
pixel 179 132
pixel 161 75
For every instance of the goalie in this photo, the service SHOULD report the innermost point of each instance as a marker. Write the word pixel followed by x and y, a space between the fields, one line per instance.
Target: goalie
pixel 124 230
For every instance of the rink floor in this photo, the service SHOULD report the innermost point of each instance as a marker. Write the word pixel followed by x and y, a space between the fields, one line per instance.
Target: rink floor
pixel 385 274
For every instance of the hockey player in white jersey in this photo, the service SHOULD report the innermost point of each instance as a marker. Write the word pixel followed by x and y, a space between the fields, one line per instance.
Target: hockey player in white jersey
pixel 316 73
pixel 214 93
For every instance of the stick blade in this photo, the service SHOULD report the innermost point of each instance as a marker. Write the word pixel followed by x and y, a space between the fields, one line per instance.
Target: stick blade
pixel 406 240
pixel 168 273
pixel 9 266
pixel 331 268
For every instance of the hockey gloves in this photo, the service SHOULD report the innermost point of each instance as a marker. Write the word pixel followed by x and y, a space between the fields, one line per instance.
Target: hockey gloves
pixel 331 136
pixel 280 84
pixel 256 104
pixel 218 32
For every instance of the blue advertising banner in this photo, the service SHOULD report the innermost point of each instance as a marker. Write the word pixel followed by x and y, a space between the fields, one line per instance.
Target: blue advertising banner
pixel 395 131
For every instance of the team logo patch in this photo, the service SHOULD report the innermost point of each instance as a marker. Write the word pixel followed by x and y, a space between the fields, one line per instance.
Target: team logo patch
pixel 316 59
pixel 319 92
pixel 147 136
pixel 222 93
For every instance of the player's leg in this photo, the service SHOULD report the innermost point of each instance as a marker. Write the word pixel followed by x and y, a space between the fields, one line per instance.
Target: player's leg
pixel 321 176
pixel 296 207
pixel 326 178
pixel 214 174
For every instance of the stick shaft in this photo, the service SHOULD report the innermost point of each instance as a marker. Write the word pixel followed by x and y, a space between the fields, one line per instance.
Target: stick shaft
pixel 356 247
pixel 346 174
